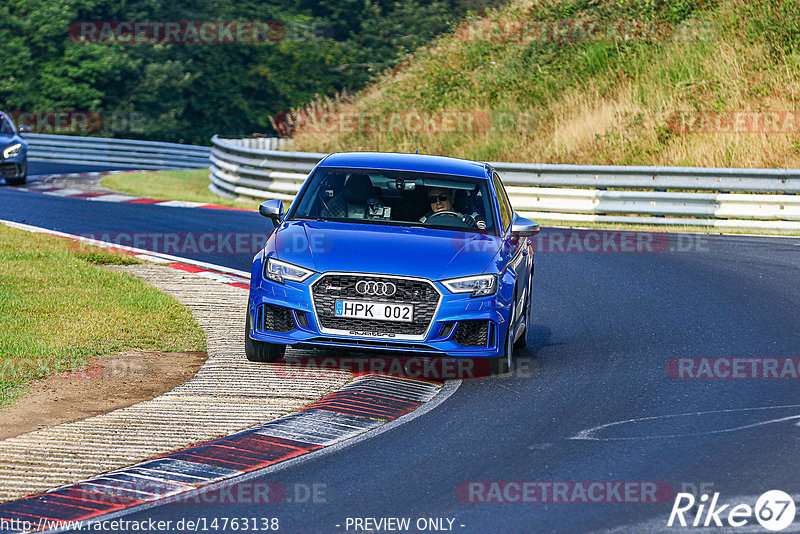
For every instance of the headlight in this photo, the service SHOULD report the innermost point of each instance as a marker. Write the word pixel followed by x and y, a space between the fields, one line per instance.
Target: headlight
pixel 12 151
pixel 479 286
pixel 279 271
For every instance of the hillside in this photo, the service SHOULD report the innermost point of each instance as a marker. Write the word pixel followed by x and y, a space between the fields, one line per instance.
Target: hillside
pixel 684 82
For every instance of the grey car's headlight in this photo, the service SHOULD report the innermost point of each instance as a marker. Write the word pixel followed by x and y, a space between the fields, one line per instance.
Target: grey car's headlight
pixel 480 286
pixel 12 150
pixel 279 271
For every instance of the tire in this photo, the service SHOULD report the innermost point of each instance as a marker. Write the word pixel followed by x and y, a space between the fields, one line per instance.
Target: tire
pixel 509 334
pixel 258 351
pixel 522 342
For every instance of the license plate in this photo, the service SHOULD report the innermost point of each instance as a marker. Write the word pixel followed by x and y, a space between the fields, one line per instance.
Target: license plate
pixel 377 311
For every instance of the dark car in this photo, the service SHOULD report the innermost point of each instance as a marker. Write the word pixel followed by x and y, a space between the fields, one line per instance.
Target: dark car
pixel 13 152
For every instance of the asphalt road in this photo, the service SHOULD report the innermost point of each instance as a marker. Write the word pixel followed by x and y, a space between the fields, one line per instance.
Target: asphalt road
pixel 47 167
pixel 202 234
pixel 606 325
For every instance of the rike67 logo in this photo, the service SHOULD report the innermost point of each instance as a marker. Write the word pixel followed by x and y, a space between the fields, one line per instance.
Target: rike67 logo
pixel 774 510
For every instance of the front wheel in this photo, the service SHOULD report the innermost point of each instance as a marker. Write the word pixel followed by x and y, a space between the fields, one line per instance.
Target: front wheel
pixel 510 333
pixel 258 351
pixel 522 342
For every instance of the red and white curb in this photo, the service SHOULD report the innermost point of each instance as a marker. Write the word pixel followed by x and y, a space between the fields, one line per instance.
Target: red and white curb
pixel 372 402
pixel 233 277
pixel 365 404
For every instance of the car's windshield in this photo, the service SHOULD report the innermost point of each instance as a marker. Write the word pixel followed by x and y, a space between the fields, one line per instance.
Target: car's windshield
pixel 397 197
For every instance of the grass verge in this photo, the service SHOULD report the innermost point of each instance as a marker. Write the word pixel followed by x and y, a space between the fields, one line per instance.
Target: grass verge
pixel 191 185
pixel 58 309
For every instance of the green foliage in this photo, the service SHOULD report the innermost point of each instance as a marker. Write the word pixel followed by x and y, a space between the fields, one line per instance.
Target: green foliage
pixel 777 22
pixel 188 92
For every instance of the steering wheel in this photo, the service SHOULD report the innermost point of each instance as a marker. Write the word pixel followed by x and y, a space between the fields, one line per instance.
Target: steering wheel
pixel 450 213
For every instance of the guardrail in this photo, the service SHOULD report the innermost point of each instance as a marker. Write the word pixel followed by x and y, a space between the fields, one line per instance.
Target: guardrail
pixel 729 198
pixel 122 153
pixel 239 170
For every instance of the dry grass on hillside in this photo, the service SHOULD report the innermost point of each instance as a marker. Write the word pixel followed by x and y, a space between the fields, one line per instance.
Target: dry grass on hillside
pixel 596 103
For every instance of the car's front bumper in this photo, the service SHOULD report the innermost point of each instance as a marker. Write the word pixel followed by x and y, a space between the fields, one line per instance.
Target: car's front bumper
pixel 461 327
pixel 13 168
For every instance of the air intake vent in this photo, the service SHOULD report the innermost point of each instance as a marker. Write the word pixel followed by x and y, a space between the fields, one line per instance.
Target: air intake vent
pixel 276 319
pixel 473 333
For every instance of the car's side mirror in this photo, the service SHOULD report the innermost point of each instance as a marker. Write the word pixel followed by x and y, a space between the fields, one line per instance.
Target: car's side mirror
pixel 24 128
pixel 522 227
pixel 272 209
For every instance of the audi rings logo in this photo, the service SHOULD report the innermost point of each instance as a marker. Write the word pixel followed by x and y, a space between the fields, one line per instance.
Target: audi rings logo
pixel 379 289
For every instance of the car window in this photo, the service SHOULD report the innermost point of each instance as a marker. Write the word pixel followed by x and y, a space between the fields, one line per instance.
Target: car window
pixel 397 197
pixel 502 199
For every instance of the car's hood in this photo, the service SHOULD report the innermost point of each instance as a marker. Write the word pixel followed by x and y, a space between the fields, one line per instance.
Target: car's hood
pixel 423 252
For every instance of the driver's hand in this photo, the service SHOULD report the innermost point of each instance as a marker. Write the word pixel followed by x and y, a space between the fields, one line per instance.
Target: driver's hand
pixel 475 222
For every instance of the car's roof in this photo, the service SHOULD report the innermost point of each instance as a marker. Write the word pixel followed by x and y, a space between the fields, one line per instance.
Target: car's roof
pixel 406 162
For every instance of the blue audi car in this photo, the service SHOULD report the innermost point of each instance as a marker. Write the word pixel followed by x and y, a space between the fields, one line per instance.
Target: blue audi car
pixel 394 252
pixel 13 152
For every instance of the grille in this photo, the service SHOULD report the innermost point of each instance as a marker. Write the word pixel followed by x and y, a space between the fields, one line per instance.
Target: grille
pixel 275 319
pixel 472 333
pixel 421 293
pixel 8 170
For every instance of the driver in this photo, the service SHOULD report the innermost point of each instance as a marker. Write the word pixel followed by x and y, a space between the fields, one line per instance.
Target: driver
pixel 442 200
